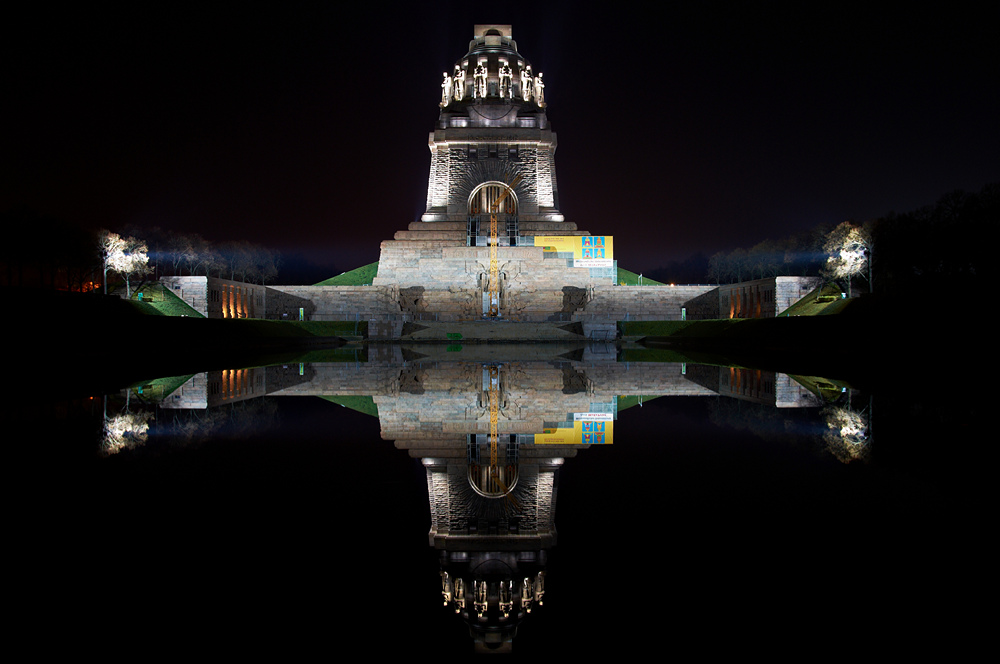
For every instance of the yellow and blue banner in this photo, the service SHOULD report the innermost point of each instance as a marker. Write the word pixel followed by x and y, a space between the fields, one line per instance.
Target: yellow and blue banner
pixel 587 250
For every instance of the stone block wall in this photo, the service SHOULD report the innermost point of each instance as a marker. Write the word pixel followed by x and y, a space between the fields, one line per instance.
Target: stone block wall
pixel 331 303
pixel 436 277
pixel 191 395
pixel 219 298
pixel 789 290
pixel 456 152
pixel 704 306
pixel 763 298
pixel 236 299
pixel 640 302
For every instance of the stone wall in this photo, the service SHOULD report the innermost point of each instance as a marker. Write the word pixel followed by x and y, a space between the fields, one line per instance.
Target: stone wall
pixel 330 303
pixel 703 307
pixel 640 302
pixel 439 281
pixel 236 299
pixel 437 278
pixel 461 157
pixel 223 298
pixel 763 298
pixel 789 290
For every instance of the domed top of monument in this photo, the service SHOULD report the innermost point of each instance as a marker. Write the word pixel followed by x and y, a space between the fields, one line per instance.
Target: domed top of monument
pixel 492 85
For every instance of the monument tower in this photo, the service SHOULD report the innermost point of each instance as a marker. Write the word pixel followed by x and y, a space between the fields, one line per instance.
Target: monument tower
pixel 492 242
pixel 492 127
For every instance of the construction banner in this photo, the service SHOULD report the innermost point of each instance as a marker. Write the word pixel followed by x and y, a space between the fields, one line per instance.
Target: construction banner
pixel 587 250
pixel 587 429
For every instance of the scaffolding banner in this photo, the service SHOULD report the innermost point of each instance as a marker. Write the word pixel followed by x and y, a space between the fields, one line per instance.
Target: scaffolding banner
pixel 587 250
pixel 583 432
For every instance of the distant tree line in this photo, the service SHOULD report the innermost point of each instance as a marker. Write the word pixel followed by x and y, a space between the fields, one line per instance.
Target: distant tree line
pixel 796 255
pixel 189 254
pixel 42 251
pixel 938 246
pixel 929 249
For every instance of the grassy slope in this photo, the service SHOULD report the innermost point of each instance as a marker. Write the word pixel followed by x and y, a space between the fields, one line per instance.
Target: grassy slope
pixel 361 404
pixel 823 301
pixel 628 401
pixel 164 387
pixel 627 278
pixel 160 301
pixel 362 276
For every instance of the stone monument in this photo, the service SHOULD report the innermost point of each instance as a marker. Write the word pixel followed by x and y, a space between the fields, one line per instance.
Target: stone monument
pixel 493 160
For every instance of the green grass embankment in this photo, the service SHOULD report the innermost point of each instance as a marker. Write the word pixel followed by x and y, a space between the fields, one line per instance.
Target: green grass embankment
pixel 362 404
pixel 155 300
pixel 628 401
pixel 628 278
pixel 362 276
pixel 824 301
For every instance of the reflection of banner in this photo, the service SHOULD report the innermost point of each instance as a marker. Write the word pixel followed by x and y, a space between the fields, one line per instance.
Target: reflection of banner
pixel 588 250
pixel 583 432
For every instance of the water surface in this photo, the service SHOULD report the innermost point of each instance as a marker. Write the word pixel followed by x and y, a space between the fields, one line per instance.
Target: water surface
pixel 730 510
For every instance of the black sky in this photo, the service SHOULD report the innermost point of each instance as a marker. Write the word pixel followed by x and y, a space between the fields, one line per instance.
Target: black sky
pixel 691 130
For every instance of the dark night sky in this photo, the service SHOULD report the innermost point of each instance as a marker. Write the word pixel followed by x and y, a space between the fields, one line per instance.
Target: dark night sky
pixel 305 129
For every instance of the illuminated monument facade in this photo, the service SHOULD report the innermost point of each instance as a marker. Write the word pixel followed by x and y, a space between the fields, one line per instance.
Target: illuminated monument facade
pixel 492 244
pixel 493 175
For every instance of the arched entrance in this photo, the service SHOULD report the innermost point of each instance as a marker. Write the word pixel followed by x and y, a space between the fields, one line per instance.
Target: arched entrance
pixel 482 201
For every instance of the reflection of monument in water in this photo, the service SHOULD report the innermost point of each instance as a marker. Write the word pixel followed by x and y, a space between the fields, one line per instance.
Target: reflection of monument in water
pixel 492 531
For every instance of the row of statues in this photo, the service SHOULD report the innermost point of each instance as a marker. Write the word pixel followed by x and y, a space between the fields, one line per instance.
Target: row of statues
pixel 532 592
pixel 531 86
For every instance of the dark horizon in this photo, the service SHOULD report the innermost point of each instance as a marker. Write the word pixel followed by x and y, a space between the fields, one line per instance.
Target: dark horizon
pixel 305 130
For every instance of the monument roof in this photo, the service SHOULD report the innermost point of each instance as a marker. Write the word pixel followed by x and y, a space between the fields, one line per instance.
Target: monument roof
pixel 492 73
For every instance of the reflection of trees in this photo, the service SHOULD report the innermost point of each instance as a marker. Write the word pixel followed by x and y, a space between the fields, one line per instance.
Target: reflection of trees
pixel 762 420
pixel 847 435
pixel 125 431
pixel 240 419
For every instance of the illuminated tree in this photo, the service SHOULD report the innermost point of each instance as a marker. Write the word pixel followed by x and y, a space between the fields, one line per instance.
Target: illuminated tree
pixel 132 261
pixel 125 431
pixel 110 245
pixel 849 249
pixel 847 435
pixel 127 256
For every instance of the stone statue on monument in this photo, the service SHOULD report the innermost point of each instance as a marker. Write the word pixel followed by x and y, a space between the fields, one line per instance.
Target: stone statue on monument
pixel 480 77
pixel 459 83
pixel 505 80
pixel 539 90
pixel 445 90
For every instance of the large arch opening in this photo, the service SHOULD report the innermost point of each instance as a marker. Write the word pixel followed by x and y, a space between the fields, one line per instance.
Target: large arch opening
pixel 498 197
